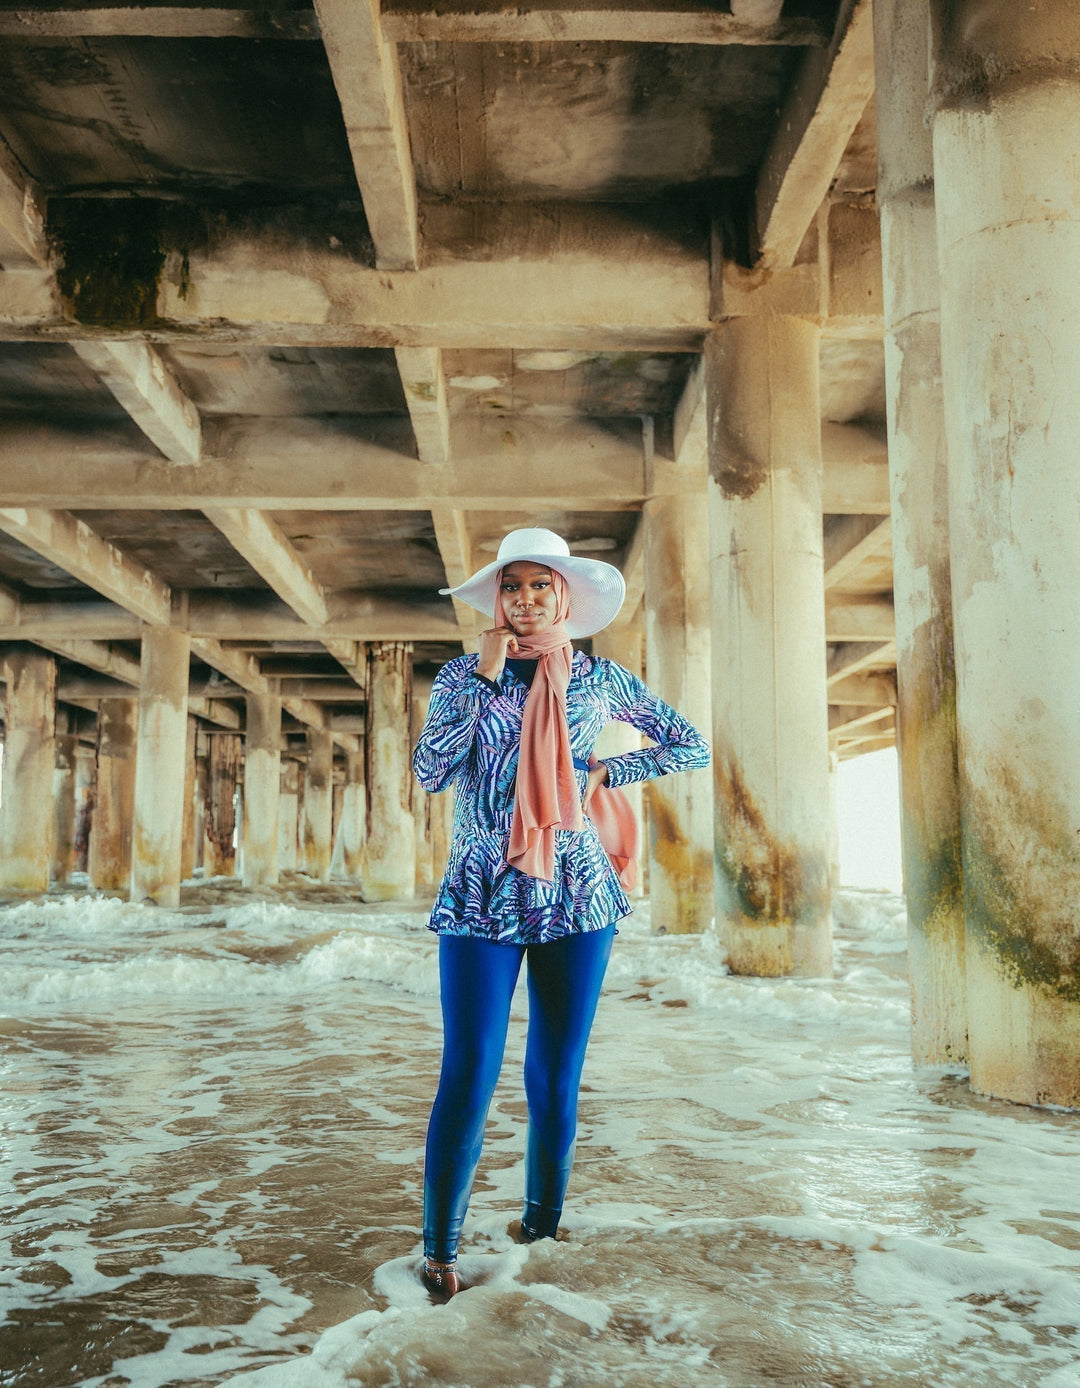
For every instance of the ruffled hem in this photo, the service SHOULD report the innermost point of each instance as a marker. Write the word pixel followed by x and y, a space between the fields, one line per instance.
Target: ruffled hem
pixel 482 897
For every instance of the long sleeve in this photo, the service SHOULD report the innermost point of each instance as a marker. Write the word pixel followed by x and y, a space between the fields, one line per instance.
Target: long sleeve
pixel 679 745
pixel 457 701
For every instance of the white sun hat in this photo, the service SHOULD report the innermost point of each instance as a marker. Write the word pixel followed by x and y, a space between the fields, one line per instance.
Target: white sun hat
pixel 596 589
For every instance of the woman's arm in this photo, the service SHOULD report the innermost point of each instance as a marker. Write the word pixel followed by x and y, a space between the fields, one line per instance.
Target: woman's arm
pixel 679 745
pixel 458 698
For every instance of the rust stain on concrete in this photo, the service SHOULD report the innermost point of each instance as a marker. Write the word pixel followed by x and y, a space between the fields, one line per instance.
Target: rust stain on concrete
pixel 1021 866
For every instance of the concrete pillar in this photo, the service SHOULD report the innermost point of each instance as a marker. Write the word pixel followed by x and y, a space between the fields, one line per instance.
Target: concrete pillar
pixel 159 767
pixel 318 840
pixel 770 721
pixel 1008 212
pixel 624 645
pixel 26 817
pixel 85 792
pixel 262 789
pixel 834 822
pixel 918 477
pixel 287 816
pixel 66 750
pixel 202 793
pixel 677 638
pixel 109 858
pixel 223 770
pixel 192 820
pixel 390 850
pixel 353 814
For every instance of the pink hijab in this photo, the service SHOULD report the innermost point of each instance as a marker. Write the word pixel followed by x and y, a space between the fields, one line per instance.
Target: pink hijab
pixel 546 796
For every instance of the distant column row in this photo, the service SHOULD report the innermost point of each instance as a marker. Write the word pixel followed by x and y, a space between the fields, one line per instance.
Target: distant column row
pixel 158 794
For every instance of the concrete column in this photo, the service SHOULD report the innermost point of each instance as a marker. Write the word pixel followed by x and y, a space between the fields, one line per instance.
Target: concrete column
pixel 1008 211
pixel 677 638
pixel 770 721
pixel 202 793
pixel 624 645
pixel 353 814
pixel 390 850
pixel 318 840
pixel 66 751
pixel 192 820
pixel 262 789
pixel 223 768
pixel 109 859
pixel 287 816
pixel 159 767
pixel 26 818
pixel 85 791
pixel 918 476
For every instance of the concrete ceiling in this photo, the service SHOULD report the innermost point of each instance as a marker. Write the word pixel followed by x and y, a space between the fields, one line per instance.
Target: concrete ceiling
pixel 301 307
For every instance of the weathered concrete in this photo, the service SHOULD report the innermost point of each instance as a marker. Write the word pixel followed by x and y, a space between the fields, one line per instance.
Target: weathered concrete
pixel 677 637
pixel 193 821
pixel 353 814
pixel 288 816
pixel 220 823
pixel 109 862
pixel 389 851
pixel 318 820
pixel 262 789
pixel 66 749
pixel 1008 209
pixel 624 645
pixel 157 839
pixel 770 745
pixel 85 779
pixel 922 597
pixel 26 819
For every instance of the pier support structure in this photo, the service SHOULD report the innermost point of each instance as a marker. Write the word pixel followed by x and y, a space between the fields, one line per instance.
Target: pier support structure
pixel 262 789
pixel 64 776
pixel 390 851
pixel 288 816
pixel 26 818
pixel 677 643
pixel 770 744
pixel 157 835
pixel 318 826
pixel 109 859
pixel 353 814
pixel 1007 86
pixel 918 480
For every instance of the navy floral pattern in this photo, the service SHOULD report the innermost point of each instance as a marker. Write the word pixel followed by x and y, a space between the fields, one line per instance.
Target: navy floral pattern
pixel 470 741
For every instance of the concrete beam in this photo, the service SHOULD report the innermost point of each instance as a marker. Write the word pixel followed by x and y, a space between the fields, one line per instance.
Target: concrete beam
pixel 261 541
pixel 81 552
pixel 113 662
pixel 820 112
pixel 849 658
pixel 151 394
pixel 849 541
pixel 355 618
pixel 216 711
pixel 690 442
pixel 166 22
pixel 237 666
pixel 863 689
pixel 424 384
pixel 455 550
pixel 251 463
pixel 368 82
pixel 850 716
pixel 475 22
pixel 855 618
pixel 633 571
pixel 847 750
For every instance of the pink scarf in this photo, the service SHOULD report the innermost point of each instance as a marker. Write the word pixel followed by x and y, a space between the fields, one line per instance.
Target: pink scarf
pixel 546 797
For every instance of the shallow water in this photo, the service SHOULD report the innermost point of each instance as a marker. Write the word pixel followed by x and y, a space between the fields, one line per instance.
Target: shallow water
pixel 211 1130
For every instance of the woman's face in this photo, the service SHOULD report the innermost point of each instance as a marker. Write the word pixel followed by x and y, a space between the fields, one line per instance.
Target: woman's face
pixel 527 597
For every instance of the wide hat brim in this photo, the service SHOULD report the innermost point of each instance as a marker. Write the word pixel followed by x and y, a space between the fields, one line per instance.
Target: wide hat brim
pixel 597 589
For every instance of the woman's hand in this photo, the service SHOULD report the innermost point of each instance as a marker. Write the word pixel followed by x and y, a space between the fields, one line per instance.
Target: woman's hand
pixel 495 645
pixel 597 777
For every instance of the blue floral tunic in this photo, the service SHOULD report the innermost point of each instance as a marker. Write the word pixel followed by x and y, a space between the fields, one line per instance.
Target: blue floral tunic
pixel 470 741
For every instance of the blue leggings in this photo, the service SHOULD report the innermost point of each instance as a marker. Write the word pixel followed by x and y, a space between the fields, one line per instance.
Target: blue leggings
pixel 477 981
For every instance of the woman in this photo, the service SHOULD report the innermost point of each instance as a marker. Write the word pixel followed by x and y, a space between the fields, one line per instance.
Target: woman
pixel 512 729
